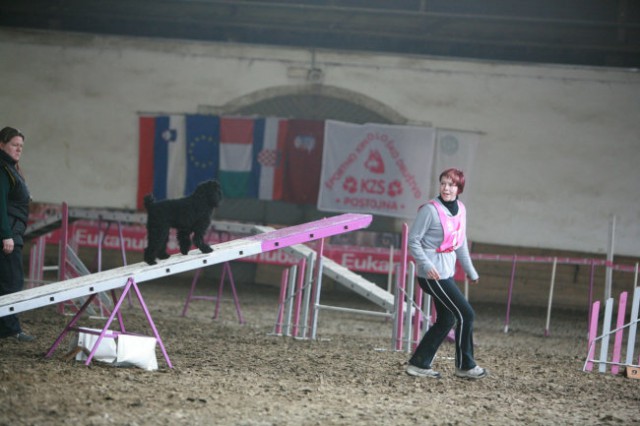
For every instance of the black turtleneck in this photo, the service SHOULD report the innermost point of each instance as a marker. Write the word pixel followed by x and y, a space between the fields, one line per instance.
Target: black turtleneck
pixel 452 206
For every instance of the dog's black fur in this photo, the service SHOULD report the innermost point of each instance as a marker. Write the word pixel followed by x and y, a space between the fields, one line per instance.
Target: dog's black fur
pixel 187 215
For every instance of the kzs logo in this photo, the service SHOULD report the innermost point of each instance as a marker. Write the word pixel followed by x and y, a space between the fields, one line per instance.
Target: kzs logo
pixel 374 163
pixel 395 188
pixel 350 185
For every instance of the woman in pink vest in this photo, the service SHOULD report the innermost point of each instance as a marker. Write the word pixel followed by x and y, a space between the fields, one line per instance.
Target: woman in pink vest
pixel 436 239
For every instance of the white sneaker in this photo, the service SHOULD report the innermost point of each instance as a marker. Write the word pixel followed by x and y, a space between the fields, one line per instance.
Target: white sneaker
pixel 412 370
pixel 475 373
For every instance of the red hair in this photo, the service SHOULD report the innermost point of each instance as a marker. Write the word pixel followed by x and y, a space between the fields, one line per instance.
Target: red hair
pixel 457 176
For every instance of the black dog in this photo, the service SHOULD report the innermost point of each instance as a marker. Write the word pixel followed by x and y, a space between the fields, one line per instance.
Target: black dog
pixel 187 215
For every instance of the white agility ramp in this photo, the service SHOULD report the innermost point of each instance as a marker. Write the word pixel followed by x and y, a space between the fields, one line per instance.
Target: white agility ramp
pixel 129 276
pixel 331 269
pixel 140 272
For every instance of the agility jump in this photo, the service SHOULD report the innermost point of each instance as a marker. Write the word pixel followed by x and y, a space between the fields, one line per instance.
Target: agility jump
pixel 129 276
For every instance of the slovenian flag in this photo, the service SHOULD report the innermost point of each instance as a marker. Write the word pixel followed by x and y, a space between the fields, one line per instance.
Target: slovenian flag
pixel 162 157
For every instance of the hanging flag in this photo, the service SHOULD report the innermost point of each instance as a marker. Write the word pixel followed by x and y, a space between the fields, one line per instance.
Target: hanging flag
pixel 376 168
pixel 455 148
pixel 203 135
pixel 147 129
pixel 169 157
pixel 269 158
pixel 162 158
pixel 302 161
pixel 237 157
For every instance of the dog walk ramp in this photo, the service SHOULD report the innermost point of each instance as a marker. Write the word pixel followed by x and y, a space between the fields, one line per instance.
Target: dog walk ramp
pixel 139 272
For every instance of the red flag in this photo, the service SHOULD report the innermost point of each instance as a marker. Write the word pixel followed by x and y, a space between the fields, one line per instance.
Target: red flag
pixel 145 159
pixel 303 161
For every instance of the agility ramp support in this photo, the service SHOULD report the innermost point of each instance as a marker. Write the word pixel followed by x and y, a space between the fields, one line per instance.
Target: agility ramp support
pixel 226 273
pixel 89 285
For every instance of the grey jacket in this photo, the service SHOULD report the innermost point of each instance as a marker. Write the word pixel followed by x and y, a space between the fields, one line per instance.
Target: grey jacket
pixel 425 236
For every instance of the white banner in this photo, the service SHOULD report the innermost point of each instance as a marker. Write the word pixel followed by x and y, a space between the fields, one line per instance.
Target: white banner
pixel 376 168
pixel 455 148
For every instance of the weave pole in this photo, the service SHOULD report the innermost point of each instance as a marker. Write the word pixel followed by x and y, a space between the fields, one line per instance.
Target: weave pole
pixel 551 287
pixel 604 338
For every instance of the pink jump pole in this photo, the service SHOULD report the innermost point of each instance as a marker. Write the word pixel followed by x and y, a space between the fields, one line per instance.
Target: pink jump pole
pixel 550 302
pixel 591 280
pixel 510 293
pixel 402 286
pixel 617 344
pixel 62 255
pixel 593 332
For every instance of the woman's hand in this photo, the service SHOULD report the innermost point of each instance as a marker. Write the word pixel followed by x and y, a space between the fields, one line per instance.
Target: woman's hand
pixel 7 245
pixel 433 274
pixel 474 282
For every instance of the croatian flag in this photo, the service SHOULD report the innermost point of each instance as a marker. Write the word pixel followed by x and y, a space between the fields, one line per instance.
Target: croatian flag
pixel 270 160
pixel 251 157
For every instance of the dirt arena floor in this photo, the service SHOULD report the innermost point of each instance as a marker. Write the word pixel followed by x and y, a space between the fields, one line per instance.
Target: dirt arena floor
pixel 230 374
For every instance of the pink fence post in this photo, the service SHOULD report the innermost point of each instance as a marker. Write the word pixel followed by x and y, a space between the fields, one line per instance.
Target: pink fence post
pixel 593 332
pixel 510 293
pixel 402 286
pixel 617 344
pixel 62 255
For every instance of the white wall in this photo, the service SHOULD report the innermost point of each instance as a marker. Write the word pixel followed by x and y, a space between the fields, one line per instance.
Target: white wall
pixel 559 153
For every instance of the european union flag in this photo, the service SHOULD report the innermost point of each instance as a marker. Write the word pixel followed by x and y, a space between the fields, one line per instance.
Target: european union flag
pixel 203 140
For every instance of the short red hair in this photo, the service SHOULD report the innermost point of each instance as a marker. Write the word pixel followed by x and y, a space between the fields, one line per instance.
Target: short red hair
pixel 457 176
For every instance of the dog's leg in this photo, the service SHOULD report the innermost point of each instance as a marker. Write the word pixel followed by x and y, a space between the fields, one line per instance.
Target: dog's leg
pixel 198 237
pixel 162 249
pixel 154 244
pixel 184 239
pixel 149 257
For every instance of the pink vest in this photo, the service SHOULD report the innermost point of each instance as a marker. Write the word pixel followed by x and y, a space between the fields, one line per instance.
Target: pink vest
pixel 454 227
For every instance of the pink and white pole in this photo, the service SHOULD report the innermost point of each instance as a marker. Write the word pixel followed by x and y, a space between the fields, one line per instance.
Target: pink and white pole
pixel 400 290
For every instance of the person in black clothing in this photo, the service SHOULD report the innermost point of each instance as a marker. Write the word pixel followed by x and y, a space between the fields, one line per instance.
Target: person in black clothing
pixel 14 213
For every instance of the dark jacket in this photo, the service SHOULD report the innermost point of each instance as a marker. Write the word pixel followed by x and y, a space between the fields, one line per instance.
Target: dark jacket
pixel 14 201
